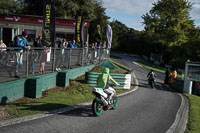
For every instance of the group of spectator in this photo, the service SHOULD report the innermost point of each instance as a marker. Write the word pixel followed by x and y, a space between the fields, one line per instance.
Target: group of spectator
pixel 39 52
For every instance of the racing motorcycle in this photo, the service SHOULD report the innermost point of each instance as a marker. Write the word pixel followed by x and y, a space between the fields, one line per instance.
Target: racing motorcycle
pixel 101 102
pixel 152 81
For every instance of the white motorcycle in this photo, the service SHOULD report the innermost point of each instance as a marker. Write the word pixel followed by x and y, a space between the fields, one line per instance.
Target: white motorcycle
pixel 101 102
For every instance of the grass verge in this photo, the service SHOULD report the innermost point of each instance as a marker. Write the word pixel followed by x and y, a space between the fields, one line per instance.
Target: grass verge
pixel 77 92
pixel 194 114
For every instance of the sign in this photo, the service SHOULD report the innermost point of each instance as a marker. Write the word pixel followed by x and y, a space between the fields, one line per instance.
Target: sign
pixel 99 29
pixel 48 31
pixel 37 20
pixel 79 31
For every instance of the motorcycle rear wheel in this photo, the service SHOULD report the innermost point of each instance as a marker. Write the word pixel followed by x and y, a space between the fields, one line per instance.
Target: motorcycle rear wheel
pixel 96 107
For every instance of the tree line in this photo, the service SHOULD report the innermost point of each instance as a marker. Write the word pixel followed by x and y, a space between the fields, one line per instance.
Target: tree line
pixel 168 31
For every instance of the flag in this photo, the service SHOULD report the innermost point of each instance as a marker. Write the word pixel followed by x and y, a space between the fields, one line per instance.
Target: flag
pixel 79 31
pixel 99 29
pixel 48 31
pixel 109 35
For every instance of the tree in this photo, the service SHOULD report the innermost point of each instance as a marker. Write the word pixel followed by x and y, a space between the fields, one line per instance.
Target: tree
pixel 168 22
pixel 63 8
pixel 9 7
pixel 99 18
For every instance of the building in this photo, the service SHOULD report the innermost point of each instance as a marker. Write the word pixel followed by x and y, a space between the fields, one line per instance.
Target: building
pixel 12 25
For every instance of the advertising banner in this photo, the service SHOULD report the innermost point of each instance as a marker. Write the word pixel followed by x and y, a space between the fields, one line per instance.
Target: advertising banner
pixel 79 31
pixel 48 31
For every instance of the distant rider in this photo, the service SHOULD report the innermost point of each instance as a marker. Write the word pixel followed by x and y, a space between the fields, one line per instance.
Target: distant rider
pixel 151 76
pixel 102 82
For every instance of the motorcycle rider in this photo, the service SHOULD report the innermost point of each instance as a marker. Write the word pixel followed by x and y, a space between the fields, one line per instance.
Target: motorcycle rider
pixel 102 82
pixel 151 76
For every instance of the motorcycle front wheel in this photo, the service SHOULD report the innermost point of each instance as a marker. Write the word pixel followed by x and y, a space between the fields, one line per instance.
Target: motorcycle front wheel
pixel 96 107
pixel 114 102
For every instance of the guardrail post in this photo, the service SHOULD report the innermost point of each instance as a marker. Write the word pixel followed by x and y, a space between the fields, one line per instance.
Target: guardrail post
pixel 82 58
pixel 53 65
pixel 69 64
pixel 27 62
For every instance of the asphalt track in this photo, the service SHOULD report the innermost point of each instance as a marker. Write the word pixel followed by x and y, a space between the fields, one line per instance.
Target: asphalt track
pixel 145 110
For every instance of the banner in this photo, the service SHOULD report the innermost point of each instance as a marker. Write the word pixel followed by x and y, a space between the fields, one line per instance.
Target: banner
pixel 109 35
pixel 79 31
pixel 99 29
pixel 48 31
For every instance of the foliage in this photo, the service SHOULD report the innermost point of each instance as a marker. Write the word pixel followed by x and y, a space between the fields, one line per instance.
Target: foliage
pixel 168 22
pixel 100 18
pixel 9 6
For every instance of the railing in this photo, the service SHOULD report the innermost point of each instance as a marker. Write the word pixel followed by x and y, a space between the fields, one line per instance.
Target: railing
pixel 50 58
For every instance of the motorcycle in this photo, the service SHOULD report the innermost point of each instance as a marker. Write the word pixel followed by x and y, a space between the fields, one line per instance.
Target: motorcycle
pixel 151 82
pixel 101 102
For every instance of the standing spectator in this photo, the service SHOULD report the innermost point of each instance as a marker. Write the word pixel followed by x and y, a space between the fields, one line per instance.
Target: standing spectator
pixel 104 44
pixel 59 54
pixel 93 46
pixel 2 45
pixel 21 42
pixel 43 59
pixel 72 44
pixel 31 61
pixel 2 51
pixel 66 54
pixel 167 76
pixel 173 76
pixel 38 44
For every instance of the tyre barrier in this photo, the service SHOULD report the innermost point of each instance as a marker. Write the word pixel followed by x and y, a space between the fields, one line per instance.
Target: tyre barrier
pixel 123 79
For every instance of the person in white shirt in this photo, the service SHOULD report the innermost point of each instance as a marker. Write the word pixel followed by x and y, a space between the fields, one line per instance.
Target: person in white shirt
pixel 2 45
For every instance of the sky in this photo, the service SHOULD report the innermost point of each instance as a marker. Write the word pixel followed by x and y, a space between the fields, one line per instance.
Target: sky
pixel 129 12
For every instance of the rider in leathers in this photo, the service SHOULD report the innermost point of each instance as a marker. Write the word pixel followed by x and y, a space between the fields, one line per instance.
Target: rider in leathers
pixel 102 82
pixel 151 76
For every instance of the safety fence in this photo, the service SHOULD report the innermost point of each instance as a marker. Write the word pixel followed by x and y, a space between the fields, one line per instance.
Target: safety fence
pixel 16 62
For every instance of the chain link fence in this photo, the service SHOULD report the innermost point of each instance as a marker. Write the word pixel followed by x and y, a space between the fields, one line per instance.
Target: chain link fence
pixel 16 62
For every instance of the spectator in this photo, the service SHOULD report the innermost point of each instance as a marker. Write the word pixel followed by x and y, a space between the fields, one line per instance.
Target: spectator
pixel 93 46
pixel 59 54
pixel 66 54
pixel 167 76
pixel 2 50
pixel 38 44
pixel 173 76
pixel 104 44
pixel 72 44
pixel 2 45
pixel 21 42
pixel 43 59
pixel 31 61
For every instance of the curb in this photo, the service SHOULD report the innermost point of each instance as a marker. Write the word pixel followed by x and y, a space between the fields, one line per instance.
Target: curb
pixel 59 111
pixel 180 123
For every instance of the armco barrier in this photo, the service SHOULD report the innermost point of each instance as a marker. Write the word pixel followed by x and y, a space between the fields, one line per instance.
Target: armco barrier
pixel 10 91
pixel 33 86
pixel 123 79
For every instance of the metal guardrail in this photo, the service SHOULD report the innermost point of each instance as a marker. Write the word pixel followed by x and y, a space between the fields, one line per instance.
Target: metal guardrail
pixel 51 58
